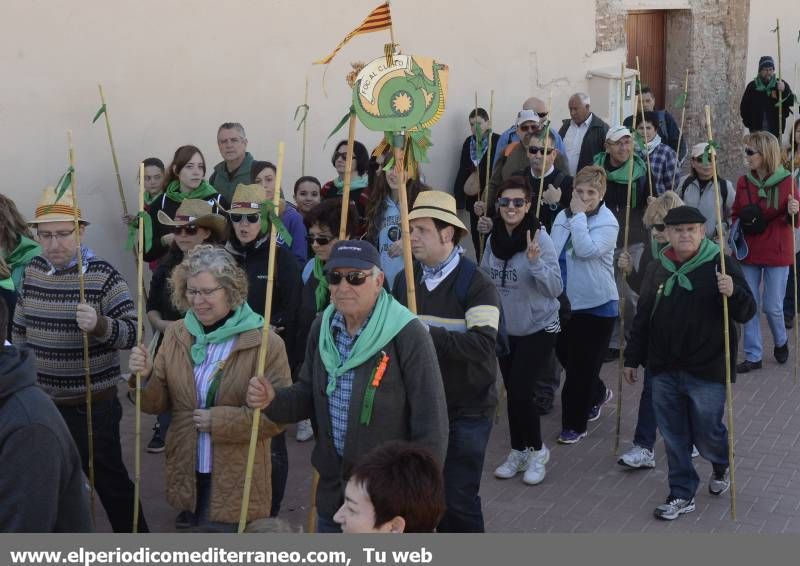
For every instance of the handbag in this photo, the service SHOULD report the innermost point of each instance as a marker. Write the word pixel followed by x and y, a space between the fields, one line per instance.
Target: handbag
pixel 751 217
pixel 472 186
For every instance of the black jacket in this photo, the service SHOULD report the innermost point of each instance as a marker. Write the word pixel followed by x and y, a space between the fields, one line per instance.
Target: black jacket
pixel 42 486
pixel 560 180
pixel 593 142
pixel 757 106
pixel 683 332
pixel 616 198
pixel 466 167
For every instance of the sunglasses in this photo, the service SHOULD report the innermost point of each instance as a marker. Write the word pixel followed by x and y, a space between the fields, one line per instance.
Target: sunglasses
pixel 528 128
pixel 251 218
pixel 320 240
pixel 659 227
pixel 506 202
pixel 340 155
pixel 534 150
pixel 354 278
pixel 188 230
pixel 750 152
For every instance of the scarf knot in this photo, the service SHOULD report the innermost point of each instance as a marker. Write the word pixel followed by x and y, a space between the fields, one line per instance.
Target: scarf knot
pixel 269 216
pixel 707 252
pixel 204 191
pixel 133 231
pixel 768 188
pixel 242 320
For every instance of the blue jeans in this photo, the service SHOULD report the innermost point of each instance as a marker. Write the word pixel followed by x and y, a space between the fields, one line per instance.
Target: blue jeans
pixel 770 302
pixel 203 507
pixel 463 467
pixel 689 409
pixel 645 435
pixel 788 302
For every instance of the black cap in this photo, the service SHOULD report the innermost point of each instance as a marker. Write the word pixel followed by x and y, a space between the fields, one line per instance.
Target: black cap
pixel 355 254
pixel 766 61
pixel 684 215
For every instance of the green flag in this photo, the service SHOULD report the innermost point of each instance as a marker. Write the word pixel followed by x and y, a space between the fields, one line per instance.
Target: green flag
pixel 64 183
pixel 341 123
pixel 100 112
pixel 304 108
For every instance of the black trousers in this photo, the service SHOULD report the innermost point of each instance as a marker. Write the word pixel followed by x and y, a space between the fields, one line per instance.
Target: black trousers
pixel 581 347
pixel 280 471
pixel 521 370
pixel 113 486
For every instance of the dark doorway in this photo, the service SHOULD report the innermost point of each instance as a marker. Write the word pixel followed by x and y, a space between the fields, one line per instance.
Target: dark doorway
pixel 645 30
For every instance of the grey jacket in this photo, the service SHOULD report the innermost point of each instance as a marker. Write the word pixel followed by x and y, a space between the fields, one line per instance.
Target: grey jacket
pixel 705 200
pixel 409 405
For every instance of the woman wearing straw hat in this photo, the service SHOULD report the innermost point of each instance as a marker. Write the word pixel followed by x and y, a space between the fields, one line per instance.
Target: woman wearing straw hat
pixel 201 374
pixel 249 245
pixel 184 180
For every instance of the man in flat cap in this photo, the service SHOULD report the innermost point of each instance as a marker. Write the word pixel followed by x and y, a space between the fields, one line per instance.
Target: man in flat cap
pixel 677 333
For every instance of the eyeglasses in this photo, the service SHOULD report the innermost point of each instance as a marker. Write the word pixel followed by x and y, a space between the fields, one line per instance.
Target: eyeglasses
pixel 340 155
pixel 750 152
pixel 354 278
pixel 251 218
pixel 659 227
pixel 320 240
pixel 506 202
pixel 205 293
pixel 534 150
pixel 50 236
pixel 188 230
pixel 528 128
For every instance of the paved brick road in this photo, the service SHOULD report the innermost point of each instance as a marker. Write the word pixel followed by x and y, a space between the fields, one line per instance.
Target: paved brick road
pixel 585 489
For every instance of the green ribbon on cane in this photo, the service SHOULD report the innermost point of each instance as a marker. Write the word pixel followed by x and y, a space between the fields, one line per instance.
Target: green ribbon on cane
pixel 269 216
pixel 707 151
pixel 133 230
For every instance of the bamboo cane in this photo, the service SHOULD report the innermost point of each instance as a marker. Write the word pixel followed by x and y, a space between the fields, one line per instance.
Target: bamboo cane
pixel 646 153
pixel 482 237
pixel 312 509
pixel 793 148
pixel 264 349
pixel 780 95
pixel 726 329
pixel 113 152
pixel 626 232
pixel 137 461
pixel 622 93
pixel 348 173
pixel 680 131
pixel 82 295
pixel 399 166
pixel 544 156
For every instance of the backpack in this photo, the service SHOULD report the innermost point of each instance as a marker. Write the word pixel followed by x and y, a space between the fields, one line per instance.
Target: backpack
pixel 463 282
pixel 723 188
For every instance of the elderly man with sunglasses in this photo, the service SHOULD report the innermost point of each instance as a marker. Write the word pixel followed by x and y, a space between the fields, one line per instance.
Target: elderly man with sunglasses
pixel 370 375
pixel 511 135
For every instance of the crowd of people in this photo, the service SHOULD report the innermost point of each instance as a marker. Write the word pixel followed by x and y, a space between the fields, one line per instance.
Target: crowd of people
pixel 565 224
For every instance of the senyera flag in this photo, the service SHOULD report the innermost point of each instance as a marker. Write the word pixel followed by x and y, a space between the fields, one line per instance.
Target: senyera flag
pixel 380 18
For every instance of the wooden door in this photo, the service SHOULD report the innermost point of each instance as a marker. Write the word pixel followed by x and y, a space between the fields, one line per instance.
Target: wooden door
pixel 645 31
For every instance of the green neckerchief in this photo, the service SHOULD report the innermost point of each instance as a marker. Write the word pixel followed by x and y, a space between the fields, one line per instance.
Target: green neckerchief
pixel 707 252
pixel 388 318
pixel 148 198
pixel 767 88
pixel 620 175
pixel 20 257
pixel 360 182
pixel 202 192
pixel 242 320
pixel 322 293
pixel 771 184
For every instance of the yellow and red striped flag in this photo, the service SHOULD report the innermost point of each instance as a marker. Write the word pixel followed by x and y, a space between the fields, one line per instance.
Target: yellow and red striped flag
pixel 380 18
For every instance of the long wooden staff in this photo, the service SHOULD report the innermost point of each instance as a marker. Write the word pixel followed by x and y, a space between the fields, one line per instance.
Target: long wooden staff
pixel 264 349
pixel 622 289
pixel 726 330
pixel 622 93
pixel 546 134
pixel 646 152
pixel 398 145
pixel 82 294
pixel 104 107
pixel 348 173
pixel 137 455
pixel 680 131
pixel 793 149
pixel 482 237
pixel 780 95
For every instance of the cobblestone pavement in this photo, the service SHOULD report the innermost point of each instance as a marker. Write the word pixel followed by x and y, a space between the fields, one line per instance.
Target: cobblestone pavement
pixel 585 489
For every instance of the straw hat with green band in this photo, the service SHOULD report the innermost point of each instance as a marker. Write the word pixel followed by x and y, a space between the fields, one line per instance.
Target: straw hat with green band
pixel 438 205
pixel 196 212
pixel 48 210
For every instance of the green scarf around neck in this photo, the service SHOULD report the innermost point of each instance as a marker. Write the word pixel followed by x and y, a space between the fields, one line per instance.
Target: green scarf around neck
pixel 620 175
pixel 322 293
pixel 388 318
pixel 707 252
pixel 202 192
pixel 359 182
pixel 242 320
pixel 149 199
pixel 771 184
pixel 767 88
pixel 19 259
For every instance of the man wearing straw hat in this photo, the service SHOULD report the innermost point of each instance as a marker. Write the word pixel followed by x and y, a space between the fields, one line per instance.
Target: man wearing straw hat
pixel 461 308
pixel 677 333
pixel 51 321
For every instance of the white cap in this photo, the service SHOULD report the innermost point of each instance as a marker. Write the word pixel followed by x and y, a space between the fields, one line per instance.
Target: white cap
pixel 615 133
pixel 527 116
pixel 699 149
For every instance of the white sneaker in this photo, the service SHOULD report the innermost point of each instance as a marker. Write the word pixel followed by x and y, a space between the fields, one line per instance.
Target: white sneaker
pixel 304 431
pixel 638 457
pixel 535 472
pixel 516 462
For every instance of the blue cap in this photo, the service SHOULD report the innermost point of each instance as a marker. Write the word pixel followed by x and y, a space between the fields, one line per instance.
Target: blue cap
pixel 354 254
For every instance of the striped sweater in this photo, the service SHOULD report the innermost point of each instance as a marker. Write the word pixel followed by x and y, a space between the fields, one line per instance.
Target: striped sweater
pixel 44 320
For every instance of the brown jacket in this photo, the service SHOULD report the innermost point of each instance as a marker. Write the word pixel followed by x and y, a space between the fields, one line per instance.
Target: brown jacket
pixel 171 388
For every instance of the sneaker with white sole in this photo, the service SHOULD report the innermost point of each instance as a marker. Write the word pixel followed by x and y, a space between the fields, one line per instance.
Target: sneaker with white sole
pixel 719 482
pixel 638 457
pixel 673 507
pixel 536 471
pixel 304 431
pixel 516 462
pixel 695 451
pixel 594 413
pixel 568 436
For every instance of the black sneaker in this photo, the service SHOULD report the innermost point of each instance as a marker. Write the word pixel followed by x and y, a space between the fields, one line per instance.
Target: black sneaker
pixel 611 355
pixel 156 444
pixel 719 482
pixel 781 353
pixel 747 365
pixel 185 520
pixel 673 507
